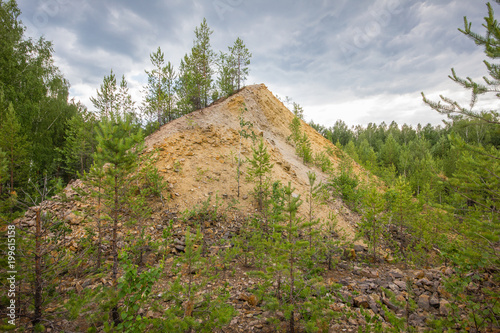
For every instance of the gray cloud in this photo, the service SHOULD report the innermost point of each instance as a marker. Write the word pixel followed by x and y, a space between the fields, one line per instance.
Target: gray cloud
pixel 360 61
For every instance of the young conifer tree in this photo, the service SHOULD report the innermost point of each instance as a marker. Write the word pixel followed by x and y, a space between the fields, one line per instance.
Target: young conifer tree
pixel 245 132
pixel 160 90
pixel 313 196
pixel 286 251
pixel 477 176
pixel 403 212
pixel 241 56
pixel 226 80
pixel 44 256
pixel 106 100
pixel 188 312
pixel 373 221
pixel 117 153
pixel 259 170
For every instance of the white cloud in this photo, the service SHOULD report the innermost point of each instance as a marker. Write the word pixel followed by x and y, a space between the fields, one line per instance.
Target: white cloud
pixel 363 61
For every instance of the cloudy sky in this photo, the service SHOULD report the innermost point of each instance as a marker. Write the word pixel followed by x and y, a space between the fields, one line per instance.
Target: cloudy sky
pixel 360 61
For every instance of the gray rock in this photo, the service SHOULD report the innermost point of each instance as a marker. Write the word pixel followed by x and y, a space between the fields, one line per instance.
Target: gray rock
pixel 371 274
pixel 424 282
pixel 401 284
pixel 416 320
pixel 360 248
pixel 444 307
pixel 362 301
pixel 389 304
pixel 434 301
pixel 423 302
pixel 396 274
pixel 394 288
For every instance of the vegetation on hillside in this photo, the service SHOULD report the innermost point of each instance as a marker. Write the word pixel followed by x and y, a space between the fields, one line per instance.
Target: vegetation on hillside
pixel 437 204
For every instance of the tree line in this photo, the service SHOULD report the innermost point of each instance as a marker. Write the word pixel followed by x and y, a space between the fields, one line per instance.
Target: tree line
pixel 44 134
pixel 424 155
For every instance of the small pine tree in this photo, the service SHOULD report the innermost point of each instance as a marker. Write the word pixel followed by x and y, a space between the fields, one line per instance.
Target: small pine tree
pixel 245 132
pixel 296 135
pixel 259 170
pixel 45 256
pixel 241 56
pixel 402 210
pixel 315 191
pixel 117 153
pixel 346 184
pixel 160 97
pixel 372 225
pixel 226 79
pixel 94 181
pixel 188 310
pixel 305 150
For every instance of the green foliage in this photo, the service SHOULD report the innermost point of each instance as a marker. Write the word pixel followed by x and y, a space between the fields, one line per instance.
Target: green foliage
pixel 346 184
pixel 373 221
pixel 153 184
pixel 113 100
pixel 322 161
pixel 298 111
pixel 300 140
pixel 42 255
pixel 80 142
pixel 15 145
pixel 295 129
pixel 31 82
pixel 390 151
pixel 134 290
pixel 245 132
pixel 188 309
pixel 259 171
pixel 289 271
pixel 305 150
pixel 4 166
pixel 117 154
pixel 241 55
pixel 403 211
pixel 160 90
pixel 477 173
pixel 315 195
pixel 195 73
pixel 226 80
pixel 106 101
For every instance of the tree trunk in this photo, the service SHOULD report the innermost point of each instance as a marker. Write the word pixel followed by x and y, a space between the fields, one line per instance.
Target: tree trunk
pixel 292 277
pixel 99 228
pixel 38 271
pixel 11 169
pixel 114 311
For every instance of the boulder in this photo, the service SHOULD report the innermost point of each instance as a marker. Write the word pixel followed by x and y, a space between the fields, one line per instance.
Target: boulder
pixel 444 307
pixel 434 301
pixel 423 302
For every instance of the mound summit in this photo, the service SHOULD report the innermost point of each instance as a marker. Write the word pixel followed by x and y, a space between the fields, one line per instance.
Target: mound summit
pixel 197 153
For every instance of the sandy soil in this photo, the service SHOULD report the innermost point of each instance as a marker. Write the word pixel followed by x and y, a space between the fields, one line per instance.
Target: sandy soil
pixel 197 154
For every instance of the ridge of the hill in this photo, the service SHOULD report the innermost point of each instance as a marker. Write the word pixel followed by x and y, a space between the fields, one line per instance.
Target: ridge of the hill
pixel 196 153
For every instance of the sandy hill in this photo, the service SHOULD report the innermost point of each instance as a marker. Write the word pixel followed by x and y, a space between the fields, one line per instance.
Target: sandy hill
pixel 197 153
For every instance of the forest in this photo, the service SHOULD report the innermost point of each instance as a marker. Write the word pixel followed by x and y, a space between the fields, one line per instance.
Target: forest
pixel 46 136
pixel 428 196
